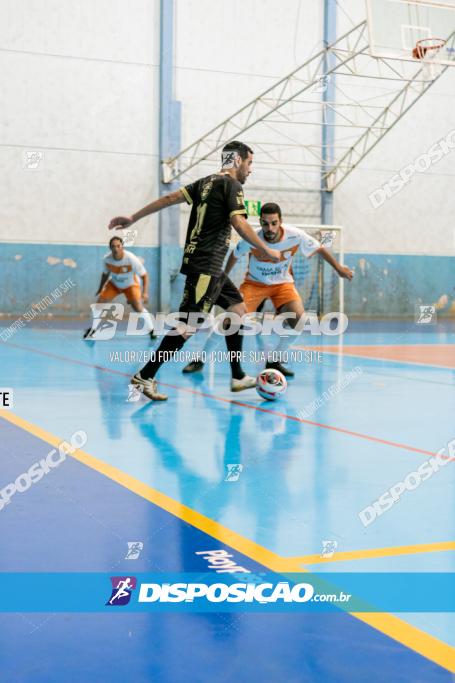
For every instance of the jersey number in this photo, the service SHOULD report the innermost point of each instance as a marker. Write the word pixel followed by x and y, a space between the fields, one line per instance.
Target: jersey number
pixel 201 209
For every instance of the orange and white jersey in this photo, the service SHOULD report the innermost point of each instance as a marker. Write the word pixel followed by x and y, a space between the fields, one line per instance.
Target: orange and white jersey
pixel 260 269
pixel 124 272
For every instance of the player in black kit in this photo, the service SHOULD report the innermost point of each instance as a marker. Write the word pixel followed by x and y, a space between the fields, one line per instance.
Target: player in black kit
pixel 217 204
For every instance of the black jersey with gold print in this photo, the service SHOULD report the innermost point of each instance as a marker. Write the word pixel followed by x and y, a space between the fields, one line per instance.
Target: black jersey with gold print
pixel 214 199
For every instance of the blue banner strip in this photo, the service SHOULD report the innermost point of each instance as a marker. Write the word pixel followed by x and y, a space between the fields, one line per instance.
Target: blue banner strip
pixel 196 592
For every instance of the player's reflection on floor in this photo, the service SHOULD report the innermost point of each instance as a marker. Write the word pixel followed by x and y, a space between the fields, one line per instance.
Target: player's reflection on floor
pixel 247 463
pixel 113 392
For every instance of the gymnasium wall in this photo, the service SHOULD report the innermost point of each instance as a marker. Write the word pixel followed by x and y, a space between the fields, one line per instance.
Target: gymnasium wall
pixel 403 246
pixel 80 86
pixel 79 142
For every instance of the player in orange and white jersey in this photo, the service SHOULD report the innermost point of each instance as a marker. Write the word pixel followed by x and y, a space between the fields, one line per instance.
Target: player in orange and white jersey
pixel 266 279
pixel 122 274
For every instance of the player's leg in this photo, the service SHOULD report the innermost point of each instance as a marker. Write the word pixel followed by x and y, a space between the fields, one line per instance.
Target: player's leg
pixel 231 300
pixel 255 295
pixel 251 299
pixel 198 297
pixel 206 346
pixel 134 298
pixel 286 299
pixel 107 294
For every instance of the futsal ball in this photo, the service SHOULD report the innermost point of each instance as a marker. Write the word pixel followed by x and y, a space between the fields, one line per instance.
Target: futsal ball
pixel 270 384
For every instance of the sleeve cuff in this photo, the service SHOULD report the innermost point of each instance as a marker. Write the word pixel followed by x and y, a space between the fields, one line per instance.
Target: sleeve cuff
pixel 313 252
pixel 238 213
pixel 184 191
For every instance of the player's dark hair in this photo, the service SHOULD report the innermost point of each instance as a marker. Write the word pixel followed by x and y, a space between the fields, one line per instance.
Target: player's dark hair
pixel 271 207
pixel 113 240
pixel 239 147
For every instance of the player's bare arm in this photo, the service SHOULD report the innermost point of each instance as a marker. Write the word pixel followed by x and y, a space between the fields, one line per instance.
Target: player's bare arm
pixel 343 271
pixel 232 260
pixel 104 279
pixel 246 232
pixel 145 288
pixel 121 222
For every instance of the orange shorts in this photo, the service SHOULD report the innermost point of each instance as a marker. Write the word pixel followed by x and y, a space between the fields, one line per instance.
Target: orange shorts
pixel 110 291
pixel 254 293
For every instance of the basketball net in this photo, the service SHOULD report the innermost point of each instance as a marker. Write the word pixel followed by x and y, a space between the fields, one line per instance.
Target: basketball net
pixel 427 51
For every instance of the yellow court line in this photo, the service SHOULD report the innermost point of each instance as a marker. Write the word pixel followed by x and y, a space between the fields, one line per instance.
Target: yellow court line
pixel 198 520
pixel 430 647
pixel 376 552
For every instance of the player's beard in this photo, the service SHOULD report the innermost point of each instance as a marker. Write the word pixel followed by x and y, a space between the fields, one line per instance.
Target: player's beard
pixel 242 177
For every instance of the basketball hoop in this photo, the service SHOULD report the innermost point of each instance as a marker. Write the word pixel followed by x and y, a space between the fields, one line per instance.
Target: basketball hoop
pixel 427 50
pixel 428 45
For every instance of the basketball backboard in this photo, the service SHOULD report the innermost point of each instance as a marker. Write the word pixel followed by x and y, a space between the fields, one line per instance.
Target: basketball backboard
pixel 396 26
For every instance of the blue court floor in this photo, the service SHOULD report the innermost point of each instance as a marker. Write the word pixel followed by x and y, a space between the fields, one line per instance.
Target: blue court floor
pixel 354 421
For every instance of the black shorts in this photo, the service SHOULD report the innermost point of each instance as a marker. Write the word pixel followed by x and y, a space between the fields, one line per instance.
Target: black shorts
pixel 202 292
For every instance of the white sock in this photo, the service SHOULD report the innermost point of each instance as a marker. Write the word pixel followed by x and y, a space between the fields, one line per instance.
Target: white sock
pixel 148 319
pixel 94 314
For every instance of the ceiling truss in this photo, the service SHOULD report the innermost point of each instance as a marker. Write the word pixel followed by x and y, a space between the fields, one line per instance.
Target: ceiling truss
pixel 284 121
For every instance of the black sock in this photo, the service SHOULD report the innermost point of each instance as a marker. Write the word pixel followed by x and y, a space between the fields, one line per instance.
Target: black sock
pixel 234 342
pixel 169 345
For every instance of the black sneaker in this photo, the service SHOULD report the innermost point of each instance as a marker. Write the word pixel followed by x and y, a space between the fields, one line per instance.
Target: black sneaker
pixel 194 366
pixel 281 368
pixel 88 333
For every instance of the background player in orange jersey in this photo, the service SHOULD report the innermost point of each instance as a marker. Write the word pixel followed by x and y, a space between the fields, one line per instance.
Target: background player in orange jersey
pixel 266 279
pixel 121 275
